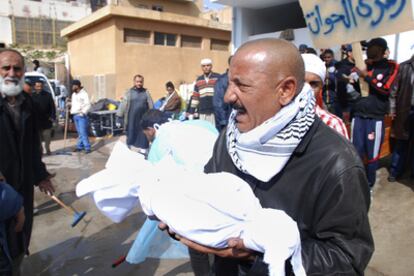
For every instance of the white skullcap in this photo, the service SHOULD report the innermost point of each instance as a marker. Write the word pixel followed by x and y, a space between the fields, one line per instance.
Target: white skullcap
pixel 313 64
pixel 206 61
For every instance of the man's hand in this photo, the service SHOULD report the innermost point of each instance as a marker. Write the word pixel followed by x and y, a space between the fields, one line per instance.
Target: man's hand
pixel 235 249
pixel 20 218
pixel 361 73
pixel 46 186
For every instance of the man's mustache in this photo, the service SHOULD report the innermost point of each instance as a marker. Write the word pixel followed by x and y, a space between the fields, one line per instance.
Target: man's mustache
pixel 12 79
pixel 237 106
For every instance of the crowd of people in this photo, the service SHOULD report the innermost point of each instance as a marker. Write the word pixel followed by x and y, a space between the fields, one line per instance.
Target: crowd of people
pixel 340 87
pixel 292 124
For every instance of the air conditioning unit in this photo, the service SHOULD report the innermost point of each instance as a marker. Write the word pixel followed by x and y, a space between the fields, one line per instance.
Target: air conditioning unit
pixel 100 86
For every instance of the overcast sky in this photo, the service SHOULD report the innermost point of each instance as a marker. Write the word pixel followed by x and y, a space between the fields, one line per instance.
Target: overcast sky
pixel 208 5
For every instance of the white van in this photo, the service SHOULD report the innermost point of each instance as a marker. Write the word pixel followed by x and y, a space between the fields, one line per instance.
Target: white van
pixel 35 76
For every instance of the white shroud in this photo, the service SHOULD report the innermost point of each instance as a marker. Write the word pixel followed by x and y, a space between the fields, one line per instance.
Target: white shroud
pixel 205 208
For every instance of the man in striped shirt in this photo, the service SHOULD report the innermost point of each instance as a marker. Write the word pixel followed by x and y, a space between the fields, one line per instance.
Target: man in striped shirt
pixel 315 72
pixel 201 102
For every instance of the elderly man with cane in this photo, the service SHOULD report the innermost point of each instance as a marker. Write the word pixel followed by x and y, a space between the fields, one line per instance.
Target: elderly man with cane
pixel 20 157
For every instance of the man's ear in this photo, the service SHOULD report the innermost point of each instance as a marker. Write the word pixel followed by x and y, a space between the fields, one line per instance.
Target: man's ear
pixel 287 90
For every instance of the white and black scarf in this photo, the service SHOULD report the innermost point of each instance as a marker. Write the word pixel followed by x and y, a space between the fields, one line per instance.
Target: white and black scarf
pixel 263 151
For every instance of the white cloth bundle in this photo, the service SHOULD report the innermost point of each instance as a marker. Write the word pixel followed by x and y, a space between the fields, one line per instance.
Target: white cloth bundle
pixel 206 208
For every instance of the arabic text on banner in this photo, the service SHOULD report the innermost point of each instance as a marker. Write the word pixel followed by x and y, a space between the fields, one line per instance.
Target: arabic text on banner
pixel 334 22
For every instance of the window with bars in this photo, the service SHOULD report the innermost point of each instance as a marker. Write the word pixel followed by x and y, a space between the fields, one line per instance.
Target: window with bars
pixel 165 39
pixel 39 32
pixel 137 36
pixel 190 41
pixel 219 45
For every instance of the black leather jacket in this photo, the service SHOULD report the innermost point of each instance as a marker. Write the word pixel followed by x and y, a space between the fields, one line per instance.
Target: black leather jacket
pixel 324 189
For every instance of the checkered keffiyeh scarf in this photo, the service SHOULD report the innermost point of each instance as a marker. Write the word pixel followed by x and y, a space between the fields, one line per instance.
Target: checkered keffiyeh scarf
pixel 263 151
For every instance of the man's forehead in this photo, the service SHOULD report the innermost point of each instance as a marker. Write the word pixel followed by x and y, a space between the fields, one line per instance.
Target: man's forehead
pixel 10 58
pixel 312 76
pixel 249 63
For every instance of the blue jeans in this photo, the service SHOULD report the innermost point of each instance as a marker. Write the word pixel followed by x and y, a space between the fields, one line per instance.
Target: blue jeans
pixel 61 105
pixel 81 123
pixel 401 150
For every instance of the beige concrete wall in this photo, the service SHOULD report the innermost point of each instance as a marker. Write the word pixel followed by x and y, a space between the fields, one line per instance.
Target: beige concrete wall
pixel 92 53
pixel 93 50
pixel 159 64
pixel 190 8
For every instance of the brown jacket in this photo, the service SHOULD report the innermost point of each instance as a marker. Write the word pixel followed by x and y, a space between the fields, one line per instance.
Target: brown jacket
pixel 400 100
pixel 173 104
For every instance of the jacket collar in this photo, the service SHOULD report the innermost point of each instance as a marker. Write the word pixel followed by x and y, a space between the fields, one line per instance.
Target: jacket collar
pixel 3 100
pixel 138 89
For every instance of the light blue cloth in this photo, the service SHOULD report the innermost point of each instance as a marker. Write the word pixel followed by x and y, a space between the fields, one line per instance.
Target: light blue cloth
pixel 150 241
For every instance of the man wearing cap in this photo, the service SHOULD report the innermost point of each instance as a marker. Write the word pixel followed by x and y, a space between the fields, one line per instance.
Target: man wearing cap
pixel 201 102
pixel 315 75
pixel 46 113
pixel 344 76
pixel 368 123
pixel 80 106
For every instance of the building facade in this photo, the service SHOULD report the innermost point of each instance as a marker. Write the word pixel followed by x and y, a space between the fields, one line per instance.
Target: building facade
pixel 38 23
pixel 161 40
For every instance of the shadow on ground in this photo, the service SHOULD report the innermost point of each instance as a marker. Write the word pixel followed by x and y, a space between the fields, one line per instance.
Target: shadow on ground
pixel 91 255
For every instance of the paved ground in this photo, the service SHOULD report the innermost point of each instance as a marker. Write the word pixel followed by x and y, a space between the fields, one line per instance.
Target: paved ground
pixel 92 246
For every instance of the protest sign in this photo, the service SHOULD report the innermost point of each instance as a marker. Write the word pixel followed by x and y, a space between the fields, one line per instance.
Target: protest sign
pixel 334 22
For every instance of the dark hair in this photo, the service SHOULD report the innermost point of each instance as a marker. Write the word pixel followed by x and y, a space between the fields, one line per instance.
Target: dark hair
pixel 36 62
pixel 328 51
pixel 138 76
pixel 311 51
pixel 152 117
pixel 28 81
pixel 13 51
pixel 38 81
pixel 379 41
pixel 76 82
pixel 170 84
pixel 303 48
